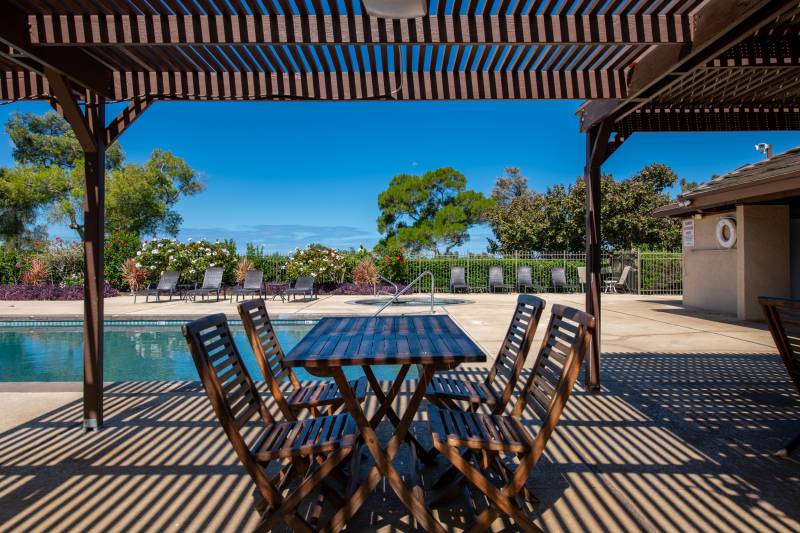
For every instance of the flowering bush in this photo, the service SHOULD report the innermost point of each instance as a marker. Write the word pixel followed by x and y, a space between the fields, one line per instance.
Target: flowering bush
pixel 391 263
pixel 191 258
pixel 325 264
pixel 47 292
pixel 119 247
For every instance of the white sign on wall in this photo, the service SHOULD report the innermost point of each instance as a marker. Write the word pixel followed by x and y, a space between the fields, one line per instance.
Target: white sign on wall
pixel 688 233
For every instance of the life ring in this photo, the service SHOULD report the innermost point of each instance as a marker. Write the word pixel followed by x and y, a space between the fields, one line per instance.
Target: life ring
pixel 726 232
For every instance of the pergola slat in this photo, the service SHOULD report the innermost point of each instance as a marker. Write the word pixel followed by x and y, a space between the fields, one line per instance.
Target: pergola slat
pixel 161 30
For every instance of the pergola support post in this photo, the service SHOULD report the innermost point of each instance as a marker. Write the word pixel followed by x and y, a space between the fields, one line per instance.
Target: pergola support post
pixel 94 280
pixel 94 137
pixel 597 150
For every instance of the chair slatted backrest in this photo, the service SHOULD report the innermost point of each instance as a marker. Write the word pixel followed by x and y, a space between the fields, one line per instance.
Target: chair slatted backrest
pixel 516 345
pixel 783 316
pixel 495 275
pixel 556 367
pixel 229 387
pixel 253 279
pixel 559 276
pixel 304 283
pixel 169 281
pixel 457 276
pixel 524 275
pixel 267 350
pixel 582 275
pixel 623 278
pixel 212 279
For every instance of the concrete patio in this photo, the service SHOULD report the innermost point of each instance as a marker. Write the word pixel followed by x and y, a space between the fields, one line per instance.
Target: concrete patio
pixel 680 439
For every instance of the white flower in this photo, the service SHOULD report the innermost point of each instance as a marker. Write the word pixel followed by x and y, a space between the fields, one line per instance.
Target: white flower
pixel 139 252
pixel 152 267
pixel 138 265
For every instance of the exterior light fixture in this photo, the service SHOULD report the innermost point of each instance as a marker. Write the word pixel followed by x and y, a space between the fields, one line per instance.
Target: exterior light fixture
pixel 684 203
pixel 396 9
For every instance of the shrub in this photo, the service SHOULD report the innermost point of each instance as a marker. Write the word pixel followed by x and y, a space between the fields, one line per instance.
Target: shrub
pixel 242 267
pixel 391 262
pixel 190 258
pixel 36 273
pixel 355 289
pixel 119 247
pixel 64 262
pixel 325 264
pixel 365 272
pixel 10 264
pixel 47 292
pixel 132 274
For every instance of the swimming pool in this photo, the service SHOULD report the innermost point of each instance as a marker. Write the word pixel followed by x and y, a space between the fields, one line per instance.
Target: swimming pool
pixel 134 351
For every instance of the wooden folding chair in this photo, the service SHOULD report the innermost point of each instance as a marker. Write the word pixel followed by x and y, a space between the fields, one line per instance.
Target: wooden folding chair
pixel 486 436
pixel 507 367
pixel 784 323
pixel 309 449
pixel 316 396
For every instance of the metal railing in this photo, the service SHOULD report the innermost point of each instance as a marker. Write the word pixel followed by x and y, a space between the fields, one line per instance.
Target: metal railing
pixel 653 272
pixel 398 294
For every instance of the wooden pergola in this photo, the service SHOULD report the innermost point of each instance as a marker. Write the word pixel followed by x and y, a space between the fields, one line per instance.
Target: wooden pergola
pixel 642 66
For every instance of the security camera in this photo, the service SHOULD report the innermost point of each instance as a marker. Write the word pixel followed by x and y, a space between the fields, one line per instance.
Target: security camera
pixel 764 148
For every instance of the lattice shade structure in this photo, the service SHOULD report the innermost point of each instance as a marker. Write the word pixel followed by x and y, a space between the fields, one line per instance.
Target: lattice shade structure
pixel 642 65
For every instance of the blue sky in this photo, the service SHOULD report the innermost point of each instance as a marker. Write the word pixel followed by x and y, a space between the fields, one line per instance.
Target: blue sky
pixel 283 174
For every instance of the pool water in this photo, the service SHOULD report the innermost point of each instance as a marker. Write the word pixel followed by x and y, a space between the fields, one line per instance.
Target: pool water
pixel 141 352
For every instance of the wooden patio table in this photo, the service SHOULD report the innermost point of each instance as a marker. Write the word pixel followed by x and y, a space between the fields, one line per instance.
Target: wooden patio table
pixel 432 342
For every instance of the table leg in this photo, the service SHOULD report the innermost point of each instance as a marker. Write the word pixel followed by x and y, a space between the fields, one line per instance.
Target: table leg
pixel 429 458
pixel 383 458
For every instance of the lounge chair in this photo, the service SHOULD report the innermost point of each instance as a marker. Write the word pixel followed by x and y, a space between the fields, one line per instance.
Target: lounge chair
pixel 496 279
pixel 620 284
pixel 168 284
pixel 558 275
pixel 784 323
pixel 458 279
pixel 317 395
pixel 253 284
pixel 496 389
pixel 582 278
pixel 276 452
pixel 483 437
pixel 303 286
pixel 212 284
pixel 525 280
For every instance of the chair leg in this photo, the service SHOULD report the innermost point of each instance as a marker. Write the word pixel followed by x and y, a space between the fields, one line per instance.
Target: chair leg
pixel 499 499
pixel 287 510
pixel 787 450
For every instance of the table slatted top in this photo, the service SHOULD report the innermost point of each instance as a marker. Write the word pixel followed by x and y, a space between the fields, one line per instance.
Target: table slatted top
pixel 384 340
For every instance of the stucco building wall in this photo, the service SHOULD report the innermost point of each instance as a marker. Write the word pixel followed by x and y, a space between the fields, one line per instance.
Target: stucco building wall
pixel 764 256
pixel 709 270
pixel 731 280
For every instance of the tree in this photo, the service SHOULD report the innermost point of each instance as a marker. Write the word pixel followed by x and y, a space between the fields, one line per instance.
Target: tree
pixel 429 212
pixel 140 198
pixel 555 220
pixel 510 187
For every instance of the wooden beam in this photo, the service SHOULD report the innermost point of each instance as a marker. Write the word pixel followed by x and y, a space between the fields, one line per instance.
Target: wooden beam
pixel 125 118
pixel 74 64
pixel 157 30
pixel 67 105
pixel 719 25
pixel 596 152
pixel 730 118
pixel 454 85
